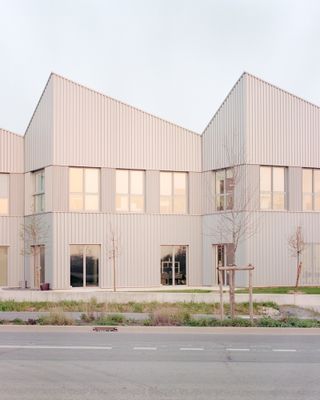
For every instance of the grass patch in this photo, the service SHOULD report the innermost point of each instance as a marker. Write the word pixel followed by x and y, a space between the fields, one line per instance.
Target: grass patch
pixel 184 291
pixel 284 290
pixel 56 317
pixel 115 319
pixel 131 307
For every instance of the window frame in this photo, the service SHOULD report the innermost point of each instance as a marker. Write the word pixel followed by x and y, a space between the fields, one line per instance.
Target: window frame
pixel 313 193
pixel 7 198
pixel 84 193
pixel 129 195
pixel 273 192
pixel 172 197
pixel 226 194
pixel 39 194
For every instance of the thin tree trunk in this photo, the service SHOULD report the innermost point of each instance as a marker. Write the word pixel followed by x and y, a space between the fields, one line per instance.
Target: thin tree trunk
pixel 250 296
pixel 221 295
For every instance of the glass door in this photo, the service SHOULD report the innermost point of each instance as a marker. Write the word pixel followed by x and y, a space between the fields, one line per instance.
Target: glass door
pixel 84 265
pixel 173 265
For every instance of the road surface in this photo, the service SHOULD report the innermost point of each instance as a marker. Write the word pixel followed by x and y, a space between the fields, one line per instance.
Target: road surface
pixel 143 364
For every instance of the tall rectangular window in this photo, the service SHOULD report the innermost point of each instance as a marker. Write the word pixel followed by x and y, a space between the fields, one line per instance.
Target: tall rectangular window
pixel 311 264
pixel 84 265
pixel 84 189
pixel 224 189
pixel 130 190
pixel 3 266
pixel 272 188
pixel 39 191
pixel 173 192
pixel 4 194
pixel 311 189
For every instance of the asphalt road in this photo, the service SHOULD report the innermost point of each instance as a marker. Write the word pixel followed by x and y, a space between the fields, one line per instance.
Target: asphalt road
pixel 70 364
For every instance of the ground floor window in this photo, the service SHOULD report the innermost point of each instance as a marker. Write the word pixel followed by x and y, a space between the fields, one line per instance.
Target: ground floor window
pixel 173 265
pixel 224 256
pixel 3 266
pixel 84 265
pixel 311 264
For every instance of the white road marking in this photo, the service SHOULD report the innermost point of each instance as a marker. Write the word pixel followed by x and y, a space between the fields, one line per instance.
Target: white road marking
pixel 285 350
pixel 35 347
pixel 144 348
pixel 191 348
pixel 230 349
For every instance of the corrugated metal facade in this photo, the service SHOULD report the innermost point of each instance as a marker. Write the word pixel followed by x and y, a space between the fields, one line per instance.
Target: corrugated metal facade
pixel 257 124
pixel 91 129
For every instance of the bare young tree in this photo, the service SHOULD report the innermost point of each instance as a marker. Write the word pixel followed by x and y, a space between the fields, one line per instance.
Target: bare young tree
pixel 297 245
pixel 113 252
pixel 33 233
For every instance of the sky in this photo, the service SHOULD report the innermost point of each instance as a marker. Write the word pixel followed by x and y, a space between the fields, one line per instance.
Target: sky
pixel 177 59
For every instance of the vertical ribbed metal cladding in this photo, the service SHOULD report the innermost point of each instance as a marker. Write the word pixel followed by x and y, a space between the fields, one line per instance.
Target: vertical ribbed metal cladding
pixel 39 135
pixel 140 238
pixel 223 141
pixel 91 129
pixel 282 129
pixel 11 152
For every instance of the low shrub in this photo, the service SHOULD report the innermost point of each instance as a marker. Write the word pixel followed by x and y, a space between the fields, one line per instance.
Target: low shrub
pixel 112 319
pixel 169 317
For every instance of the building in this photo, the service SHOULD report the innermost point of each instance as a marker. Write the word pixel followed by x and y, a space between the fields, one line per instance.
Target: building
pixel 96 185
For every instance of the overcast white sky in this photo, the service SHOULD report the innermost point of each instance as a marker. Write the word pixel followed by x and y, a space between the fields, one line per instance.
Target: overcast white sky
pixel 174 58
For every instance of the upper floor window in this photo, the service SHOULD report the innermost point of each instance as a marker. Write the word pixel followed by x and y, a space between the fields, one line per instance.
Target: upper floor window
pixel 311 189
pixel 38 195
pixel 84 185
pixel 272 188
pixel 224 189
pixel 129 190
pixel 173 192
pixel 4 194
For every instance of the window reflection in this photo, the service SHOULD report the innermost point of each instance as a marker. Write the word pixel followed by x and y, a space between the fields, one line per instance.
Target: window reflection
pixel 4 194
pixel 173 265
pixel 272 188
pixel 84 265
pixel 84 189
pixel 224 189
pixel 311 189
pixel 130 190
pixel 173 192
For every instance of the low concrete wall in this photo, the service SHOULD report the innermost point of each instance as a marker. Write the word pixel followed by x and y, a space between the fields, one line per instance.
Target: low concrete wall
pixel 302 300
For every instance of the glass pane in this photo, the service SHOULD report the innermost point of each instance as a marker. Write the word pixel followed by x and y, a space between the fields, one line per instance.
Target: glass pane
pixel 136 203
pixel 136 182
pixel 278 201
pixel 180 182
pixel 165 183
pixel 4 185
pixel 278 179
pixel 122 182
pixel 165 204
pixel 230 253
pixel 229 200
pixel 4 206
pixel 307 180
pixel 180 265
pixel 316 263
pixel 219 203
pixel 42 265
pixel 92 180
pixel 265 201
pixel 122 202
pixel 76 180
pixel 76 202
pixel 92 265
pixel 265 179
pixel 3 266
pixel 166 265
pixel 39 178
pixel 317 202
pixel 220 182
pixel 76 266
pixel 92 202
pixel 307 202
pixel 179 205
pixel 39 203
pixel 316 180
